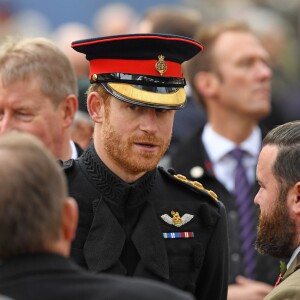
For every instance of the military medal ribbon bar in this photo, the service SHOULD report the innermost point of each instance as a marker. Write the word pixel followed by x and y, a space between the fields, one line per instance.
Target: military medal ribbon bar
pixel 178 235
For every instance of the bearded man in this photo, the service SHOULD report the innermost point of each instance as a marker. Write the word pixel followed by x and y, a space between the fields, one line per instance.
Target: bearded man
pixel 136 219
pixel 278 175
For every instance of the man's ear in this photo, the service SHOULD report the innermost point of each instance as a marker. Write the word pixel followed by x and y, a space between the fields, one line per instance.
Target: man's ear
pixel 297 197
pixel 293 200
pixel 68 109
pixel 206 83
pixel 69 219
pixel 95 105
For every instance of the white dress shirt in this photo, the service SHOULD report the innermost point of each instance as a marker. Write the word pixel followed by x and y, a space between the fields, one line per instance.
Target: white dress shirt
pixel 223 164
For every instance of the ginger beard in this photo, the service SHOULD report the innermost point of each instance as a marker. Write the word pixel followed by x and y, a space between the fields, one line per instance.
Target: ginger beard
pixel 276 232
pixel 123 152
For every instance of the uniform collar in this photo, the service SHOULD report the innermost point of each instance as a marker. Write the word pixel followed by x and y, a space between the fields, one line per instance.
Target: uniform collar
pixel 112 187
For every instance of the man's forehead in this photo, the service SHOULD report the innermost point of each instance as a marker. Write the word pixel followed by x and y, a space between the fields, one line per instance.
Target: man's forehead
pixel 235 44
pixel 267 156
pixel 23 95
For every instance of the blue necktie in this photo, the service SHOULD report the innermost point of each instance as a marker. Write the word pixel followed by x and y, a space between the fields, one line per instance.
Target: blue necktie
pixel 245 209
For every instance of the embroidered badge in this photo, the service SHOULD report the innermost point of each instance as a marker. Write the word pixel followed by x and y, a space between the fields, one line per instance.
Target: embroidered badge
pixel 176 220
pixel 161 66
pixel 178 235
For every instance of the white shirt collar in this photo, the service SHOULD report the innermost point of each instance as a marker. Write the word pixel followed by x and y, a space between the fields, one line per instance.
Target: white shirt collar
pixel 293 256
pixel 218 146
pixel 74 153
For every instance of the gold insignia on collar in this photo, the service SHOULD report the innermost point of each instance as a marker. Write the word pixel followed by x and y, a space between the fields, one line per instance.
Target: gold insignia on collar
pixel 161 66
pixel 176 220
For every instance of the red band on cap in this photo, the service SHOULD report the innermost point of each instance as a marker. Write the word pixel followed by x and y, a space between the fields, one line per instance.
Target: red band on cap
pixel 145 67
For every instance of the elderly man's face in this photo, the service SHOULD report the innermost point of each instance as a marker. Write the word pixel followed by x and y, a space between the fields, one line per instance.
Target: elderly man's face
pixel 23 107
pixel 276 229
pixel 135 137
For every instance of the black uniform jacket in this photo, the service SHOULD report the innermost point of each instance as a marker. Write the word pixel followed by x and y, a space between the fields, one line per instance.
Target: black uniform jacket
pixel 193 154
pixel 46 276
pixel 121 229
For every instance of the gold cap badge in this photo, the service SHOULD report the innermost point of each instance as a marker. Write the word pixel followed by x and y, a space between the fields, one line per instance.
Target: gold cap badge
pixel 94 77
pixel 161 66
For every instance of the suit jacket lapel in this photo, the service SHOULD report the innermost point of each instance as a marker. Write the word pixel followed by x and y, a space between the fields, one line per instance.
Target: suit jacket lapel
pixel 293 267
pixel 147 238
pixel 105 240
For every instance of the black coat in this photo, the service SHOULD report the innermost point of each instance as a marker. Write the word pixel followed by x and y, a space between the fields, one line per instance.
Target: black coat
pixel 47 276
pixel 121 229
pixel 193 154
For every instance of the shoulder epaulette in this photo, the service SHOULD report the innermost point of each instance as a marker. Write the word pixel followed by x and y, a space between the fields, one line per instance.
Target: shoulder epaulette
pixel 197 185
pixel 194 184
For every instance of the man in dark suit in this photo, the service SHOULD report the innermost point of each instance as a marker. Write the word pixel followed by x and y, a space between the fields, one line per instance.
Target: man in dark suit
pixel 137 219
pixel 232 80
pixel 37 224
pixel 278 198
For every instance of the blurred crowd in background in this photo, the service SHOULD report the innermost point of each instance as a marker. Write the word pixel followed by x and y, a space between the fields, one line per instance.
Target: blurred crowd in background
pixel 277 22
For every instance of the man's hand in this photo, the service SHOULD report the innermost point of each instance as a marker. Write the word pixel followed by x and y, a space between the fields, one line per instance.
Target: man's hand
pixel 245 288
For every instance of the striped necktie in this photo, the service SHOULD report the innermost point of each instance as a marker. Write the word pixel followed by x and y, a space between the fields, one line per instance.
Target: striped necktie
pixel 246 213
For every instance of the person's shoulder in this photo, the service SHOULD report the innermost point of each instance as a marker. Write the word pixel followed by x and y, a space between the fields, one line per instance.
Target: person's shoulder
pixel 194 188
pixel 287 289
pixel 143 289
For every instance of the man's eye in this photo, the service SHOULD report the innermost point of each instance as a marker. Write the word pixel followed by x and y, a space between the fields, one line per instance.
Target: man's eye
pixel 134 107
pixel 161 110
pixel 24 116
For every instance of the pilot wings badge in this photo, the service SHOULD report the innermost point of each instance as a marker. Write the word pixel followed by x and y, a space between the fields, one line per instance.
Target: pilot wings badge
pixel 176 220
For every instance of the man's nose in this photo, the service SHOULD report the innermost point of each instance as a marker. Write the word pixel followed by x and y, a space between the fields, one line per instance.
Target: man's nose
pixel 149 121
pixel 265 71
pixel 256 199
pixel 6 124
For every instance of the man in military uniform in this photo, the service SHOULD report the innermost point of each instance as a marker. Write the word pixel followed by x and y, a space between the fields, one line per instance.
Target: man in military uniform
pixel 136 219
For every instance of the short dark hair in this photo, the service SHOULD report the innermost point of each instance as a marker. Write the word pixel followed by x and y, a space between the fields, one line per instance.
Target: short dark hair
pixel 286 167
pixel 178 20
pixel 33 188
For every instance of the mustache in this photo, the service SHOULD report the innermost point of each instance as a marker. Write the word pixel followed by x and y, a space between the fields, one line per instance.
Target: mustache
pixel 146 139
